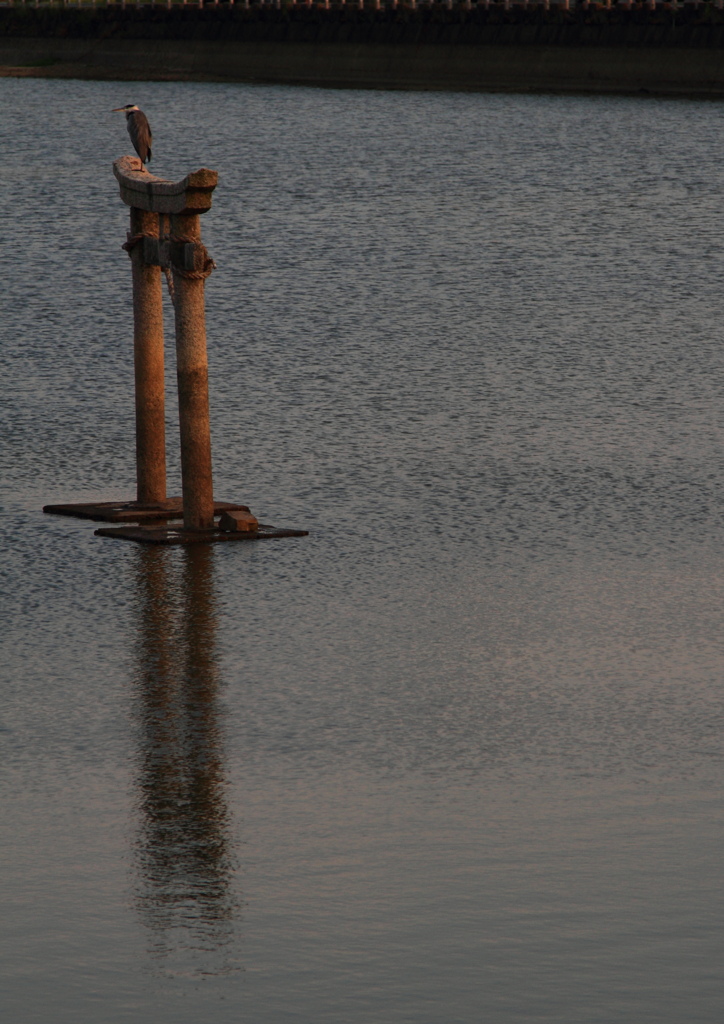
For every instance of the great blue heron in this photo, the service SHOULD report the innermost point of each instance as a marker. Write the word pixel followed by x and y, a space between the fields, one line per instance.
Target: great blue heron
pixel 138 128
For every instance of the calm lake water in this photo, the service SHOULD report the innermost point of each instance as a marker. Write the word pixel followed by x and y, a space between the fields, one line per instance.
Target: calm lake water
pixel 457 755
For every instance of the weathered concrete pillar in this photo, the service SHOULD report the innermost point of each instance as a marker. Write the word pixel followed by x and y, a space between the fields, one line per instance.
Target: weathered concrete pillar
pixel 189 257
pixel 148 364
pixel 191 265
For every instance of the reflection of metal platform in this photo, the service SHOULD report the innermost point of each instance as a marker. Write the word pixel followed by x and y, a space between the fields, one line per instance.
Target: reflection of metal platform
pixel 134 511
pixel 153 534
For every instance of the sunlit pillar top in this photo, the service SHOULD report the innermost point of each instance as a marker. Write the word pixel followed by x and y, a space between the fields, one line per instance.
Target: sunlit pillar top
pixel 145 191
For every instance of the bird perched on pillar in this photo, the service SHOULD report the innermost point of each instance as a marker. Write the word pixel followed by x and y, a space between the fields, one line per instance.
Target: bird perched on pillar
pixel 138 128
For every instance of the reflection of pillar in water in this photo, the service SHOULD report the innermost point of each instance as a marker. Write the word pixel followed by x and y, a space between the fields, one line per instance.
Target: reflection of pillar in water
pixel 183 852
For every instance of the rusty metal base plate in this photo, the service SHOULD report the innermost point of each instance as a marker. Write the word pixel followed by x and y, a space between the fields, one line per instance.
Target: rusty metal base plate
pixel 134 511
pixel 153 534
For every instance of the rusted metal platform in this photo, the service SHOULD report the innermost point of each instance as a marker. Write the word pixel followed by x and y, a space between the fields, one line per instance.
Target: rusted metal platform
pixel 134 511
pixel 153 534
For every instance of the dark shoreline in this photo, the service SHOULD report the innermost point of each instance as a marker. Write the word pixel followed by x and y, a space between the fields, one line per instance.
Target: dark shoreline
pixel 630 52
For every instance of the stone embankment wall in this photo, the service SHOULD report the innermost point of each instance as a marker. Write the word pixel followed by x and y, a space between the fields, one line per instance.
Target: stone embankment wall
pixel 667 51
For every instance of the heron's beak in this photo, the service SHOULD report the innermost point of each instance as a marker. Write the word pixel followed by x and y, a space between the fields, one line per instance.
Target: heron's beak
pixel 118 110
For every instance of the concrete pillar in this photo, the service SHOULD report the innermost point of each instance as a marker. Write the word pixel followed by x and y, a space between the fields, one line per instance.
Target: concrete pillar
pixel 193 373
pixel 148 365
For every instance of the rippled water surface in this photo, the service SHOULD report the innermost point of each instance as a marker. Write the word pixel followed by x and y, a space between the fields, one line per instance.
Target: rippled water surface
pixel 456 756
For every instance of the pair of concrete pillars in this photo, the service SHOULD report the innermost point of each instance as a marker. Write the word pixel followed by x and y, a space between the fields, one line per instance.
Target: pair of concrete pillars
pixel 166 235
